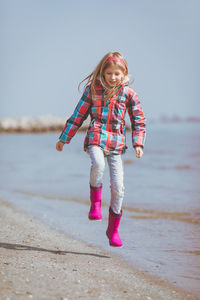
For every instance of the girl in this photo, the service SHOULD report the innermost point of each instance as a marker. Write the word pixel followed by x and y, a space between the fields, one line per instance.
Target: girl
pixel 107 97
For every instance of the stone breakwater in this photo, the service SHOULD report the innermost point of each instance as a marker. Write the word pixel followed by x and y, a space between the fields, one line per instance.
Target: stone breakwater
pixel 50 123
pixel 36 125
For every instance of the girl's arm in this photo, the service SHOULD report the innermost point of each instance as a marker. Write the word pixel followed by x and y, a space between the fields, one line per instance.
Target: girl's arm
pixel 81 112
pixel 138 122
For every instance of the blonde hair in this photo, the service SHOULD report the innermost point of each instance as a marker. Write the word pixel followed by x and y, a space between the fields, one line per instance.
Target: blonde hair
pixel 98 73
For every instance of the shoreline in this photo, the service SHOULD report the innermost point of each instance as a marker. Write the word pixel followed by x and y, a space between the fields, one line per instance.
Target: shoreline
pixel 34 256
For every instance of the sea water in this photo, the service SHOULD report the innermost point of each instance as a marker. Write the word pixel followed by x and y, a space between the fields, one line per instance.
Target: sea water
pixel 161 208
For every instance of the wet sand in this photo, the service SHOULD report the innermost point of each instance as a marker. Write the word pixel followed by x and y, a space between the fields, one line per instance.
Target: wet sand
pixel 38 262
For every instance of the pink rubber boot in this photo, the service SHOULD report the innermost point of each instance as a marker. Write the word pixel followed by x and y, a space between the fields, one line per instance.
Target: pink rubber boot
pixel 95 208
pixel 112 230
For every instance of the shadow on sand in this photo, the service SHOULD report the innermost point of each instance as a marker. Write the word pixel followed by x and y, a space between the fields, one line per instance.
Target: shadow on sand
pixel 30 248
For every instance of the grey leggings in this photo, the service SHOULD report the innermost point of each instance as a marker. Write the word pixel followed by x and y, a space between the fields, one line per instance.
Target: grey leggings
pixel 116 175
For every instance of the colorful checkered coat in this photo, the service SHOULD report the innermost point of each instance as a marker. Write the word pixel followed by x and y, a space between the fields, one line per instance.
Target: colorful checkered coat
pixel 107 126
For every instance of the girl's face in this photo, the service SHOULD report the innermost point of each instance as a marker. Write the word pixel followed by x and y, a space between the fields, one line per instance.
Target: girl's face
pixel 113 76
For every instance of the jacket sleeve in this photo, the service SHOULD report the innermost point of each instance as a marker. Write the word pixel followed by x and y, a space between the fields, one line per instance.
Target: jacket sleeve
pixel 137 118
pixel 80 113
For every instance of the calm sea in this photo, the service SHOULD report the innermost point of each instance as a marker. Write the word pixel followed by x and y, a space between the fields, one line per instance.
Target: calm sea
pixel 160 224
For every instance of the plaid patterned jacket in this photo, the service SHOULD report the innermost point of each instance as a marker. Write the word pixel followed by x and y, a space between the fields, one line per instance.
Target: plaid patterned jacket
pixel 107 126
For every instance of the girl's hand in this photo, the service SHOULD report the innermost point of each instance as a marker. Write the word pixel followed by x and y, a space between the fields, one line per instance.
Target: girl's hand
pixel 59 146
pixel 138 151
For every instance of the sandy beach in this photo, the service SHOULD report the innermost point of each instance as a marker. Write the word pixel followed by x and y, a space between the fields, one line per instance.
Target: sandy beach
pixel 38 262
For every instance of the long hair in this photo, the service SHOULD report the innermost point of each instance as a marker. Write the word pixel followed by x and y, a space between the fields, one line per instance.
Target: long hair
pixel 98 73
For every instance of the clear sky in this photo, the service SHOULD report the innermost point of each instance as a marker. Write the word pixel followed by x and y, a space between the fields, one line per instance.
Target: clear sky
pixel 49 46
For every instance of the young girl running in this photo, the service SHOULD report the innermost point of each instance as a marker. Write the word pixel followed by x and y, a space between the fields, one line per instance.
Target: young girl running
pixel 106 98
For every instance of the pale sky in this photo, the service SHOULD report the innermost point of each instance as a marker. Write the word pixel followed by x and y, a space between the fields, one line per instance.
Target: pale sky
pixel 49 46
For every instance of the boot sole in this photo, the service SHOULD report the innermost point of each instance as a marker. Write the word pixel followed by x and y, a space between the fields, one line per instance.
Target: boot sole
pixel 115 246
pixel 93 219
